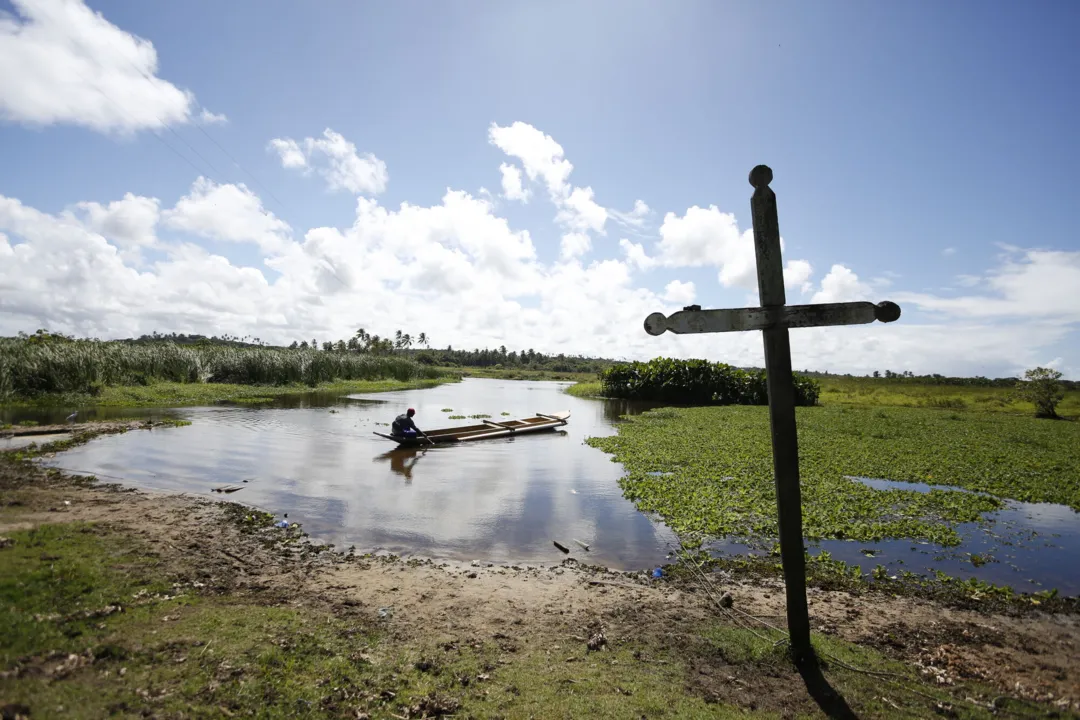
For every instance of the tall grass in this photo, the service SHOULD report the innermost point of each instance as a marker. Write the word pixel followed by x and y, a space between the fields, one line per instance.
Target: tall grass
pixel 86 366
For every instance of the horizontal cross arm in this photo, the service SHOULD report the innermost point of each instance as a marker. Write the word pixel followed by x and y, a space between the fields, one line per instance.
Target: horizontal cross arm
pixel 762 318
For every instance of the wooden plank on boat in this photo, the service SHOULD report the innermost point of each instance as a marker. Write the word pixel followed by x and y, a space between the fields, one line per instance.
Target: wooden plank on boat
pixel 559 417
pixel 511 428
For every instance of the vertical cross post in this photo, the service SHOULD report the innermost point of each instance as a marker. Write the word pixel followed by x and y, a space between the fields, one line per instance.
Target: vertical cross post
pixel 774 318
pixel 770 271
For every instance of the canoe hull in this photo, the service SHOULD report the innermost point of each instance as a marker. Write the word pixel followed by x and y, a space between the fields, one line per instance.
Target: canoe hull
pixel 489 430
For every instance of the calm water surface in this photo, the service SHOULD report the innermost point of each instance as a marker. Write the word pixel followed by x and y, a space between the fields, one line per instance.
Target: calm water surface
pixel 503 501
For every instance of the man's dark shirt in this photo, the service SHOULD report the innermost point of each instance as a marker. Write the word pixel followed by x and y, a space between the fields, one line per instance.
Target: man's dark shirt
pixel 402 423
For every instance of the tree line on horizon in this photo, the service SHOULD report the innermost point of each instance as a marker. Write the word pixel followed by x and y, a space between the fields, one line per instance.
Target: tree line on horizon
pixel 419 348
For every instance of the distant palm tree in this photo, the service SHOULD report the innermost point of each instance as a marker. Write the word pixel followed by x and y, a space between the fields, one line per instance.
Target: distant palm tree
pixel 422 339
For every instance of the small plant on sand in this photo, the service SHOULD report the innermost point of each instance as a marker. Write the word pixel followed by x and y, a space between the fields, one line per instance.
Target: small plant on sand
pixel 1042 388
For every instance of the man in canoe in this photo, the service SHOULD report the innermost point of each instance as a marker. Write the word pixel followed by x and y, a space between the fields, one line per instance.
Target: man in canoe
pixel 404 426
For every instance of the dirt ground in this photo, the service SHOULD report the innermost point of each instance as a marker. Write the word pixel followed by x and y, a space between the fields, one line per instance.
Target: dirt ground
pixel 1034 657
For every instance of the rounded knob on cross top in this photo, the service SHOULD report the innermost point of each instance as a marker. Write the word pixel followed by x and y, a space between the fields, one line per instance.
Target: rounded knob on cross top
pixel 886 311
pixel 761 176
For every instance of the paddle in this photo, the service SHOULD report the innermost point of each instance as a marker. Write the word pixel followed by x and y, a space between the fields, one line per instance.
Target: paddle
pixel 425 436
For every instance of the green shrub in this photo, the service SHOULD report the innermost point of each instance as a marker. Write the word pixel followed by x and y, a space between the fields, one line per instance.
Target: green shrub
pixel 1042 387
pixel 696 382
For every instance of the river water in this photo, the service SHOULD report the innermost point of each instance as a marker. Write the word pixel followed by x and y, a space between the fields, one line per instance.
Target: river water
pixel 504 501
pixel 318 459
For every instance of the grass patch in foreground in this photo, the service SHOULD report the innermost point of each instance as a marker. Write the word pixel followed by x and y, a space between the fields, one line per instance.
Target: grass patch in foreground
pixel 709 470
pixel 170 394
pixel 169 649
pixel 91 626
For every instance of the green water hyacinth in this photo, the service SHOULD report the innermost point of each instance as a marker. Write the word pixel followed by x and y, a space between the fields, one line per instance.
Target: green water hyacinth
pixel 709 470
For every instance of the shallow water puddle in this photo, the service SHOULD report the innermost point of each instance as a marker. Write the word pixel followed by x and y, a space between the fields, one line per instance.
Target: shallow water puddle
pixel 1028 546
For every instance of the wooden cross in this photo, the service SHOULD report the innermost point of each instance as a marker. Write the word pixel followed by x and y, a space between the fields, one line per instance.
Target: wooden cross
pixel 773 318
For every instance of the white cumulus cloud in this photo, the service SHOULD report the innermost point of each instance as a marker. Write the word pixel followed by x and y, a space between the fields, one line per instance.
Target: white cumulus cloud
pixel 539 153
pixel 797 274
pixel 635 218
pixel 842 285
pixel 228 212
pixel 512 186
pixel 679 292
pixel 65 63
pixel 636 255
pixel 706 236
pixel 336 159
pixel 468 277
pixel 574 245
pixel 1029 283
pixel 128 223
pixel 543 160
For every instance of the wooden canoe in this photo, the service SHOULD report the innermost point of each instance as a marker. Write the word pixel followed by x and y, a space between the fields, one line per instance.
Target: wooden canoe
pixel 487 430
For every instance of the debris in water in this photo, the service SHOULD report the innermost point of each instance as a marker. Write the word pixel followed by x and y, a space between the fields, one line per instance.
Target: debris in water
pixel 229 488
pixel 561 547
pixel 583 545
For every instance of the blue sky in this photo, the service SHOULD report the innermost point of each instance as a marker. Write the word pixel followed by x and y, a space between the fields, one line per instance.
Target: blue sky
pixel 924 147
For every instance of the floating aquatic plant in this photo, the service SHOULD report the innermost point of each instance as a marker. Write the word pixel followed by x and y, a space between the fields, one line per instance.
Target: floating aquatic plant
pixel 709 470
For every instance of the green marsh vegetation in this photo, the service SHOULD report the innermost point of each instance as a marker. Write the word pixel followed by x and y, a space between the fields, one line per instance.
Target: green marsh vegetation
pixel 709 470
pixel 868 392
pixel 586 389
pixel 46 368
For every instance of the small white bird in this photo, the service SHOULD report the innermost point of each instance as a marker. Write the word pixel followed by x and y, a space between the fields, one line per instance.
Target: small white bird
pixel 71 417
